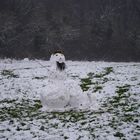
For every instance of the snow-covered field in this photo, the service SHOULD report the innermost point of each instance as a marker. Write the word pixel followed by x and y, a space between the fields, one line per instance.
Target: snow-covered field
pixel 116 87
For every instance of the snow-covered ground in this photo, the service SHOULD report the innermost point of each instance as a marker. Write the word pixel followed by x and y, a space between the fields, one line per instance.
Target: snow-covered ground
pixel 116 87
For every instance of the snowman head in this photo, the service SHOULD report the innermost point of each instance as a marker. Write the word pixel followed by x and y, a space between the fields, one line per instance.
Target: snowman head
pixel 58 59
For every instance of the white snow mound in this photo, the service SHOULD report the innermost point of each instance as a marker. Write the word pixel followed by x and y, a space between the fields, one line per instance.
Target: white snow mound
pixel 63 93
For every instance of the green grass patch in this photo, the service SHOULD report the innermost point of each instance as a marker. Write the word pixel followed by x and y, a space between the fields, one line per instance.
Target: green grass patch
pixel 106 71
pixel 121 97
pixel 40 78
pixel 97 88
pixel 26 108
pixel 9 74
pixel 68 116
pixel 122 106
pixel 85 83
pixel 122 89
pixel 119 134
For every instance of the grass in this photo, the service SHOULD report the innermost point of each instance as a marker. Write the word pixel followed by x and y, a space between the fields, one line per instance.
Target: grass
pixel 97 88
pixel 101 79
pixel 122 108
pixel 85 83
pixel 121 95
pixel 40 78
pixel 116 112
pixel 19 109
pixel 119 134
pixel 122 89
pixel 9 74
pixel 106 71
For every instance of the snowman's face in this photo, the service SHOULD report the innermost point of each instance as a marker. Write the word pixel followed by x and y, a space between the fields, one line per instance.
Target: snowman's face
pixel 58 57
pixel 58 61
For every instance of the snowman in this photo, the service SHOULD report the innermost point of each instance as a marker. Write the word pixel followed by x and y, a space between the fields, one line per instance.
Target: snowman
pixel 62 93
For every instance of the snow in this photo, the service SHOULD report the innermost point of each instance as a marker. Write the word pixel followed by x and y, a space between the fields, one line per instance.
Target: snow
pixel 114 86
pixel 62 92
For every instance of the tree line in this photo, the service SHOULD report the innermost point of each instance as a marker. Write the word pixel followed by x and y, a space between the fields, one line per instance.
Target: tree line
pixel 84 29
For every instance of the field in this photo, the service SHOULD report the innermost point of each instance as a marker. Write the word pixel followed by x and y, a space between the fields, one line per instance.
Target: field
pixel 116 87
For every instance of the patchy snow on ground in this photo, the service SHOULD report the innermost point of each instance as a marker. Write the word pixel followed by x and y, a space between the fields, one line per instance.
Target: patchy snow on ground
pixel 114 86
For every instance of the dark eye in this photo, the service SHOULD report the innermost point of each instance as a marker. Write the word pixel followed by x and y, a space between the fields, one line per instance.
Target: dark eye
pixel 56 54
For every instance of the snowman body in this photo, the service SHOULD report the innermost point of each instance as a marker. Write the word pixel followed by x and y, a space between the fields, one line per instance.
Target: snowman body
pixel 61 92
